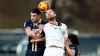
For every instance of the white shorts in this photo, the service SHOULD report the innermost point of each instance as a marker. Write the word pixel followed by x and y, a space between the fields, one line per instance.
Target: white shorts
pixel 51 51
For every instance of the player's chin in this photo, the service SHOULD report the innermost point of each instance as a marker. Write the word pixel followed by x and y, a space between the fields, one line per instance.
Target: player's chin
pixel 33 21
pixel 50 18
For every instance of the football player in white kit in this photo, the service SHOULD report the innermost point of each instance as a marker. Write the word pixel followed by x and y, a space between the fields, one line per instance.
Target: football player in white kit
pixel 55 34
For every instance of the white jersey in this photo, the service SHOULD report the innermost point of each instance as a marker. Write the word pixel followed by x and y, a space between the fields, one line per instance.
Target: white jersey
pixel 55 34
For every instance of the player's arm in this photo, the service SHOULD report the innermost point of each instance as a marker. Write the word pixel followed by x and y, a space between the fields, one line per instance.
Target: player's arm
pixel 65 32
pixel 28 30
pixel 37 40
pixel 70 50
pixel 39 37
pixel 40 28
pixel 42 39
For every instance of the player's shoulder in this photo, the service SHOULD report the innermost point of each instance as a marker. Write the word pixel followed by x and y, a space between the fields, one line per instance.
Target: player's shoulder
pixel 63 24
pixel 28 22
pixel 47 24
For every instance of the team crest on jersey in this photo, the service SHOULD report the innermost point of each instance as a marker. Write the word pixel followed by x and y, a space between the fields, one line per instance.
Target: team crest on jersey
pixel 55 28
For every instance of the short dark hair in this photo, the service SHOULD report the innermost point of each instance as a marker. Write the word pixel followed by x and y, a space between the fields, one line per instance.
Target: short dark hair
pixel 36 10
pixel 74 39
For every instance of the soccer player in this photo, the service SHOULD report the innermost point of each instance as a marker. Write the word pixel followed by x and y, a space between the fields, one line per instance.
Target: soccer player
pixel 71 45
pixel 55 33
pixel 35 46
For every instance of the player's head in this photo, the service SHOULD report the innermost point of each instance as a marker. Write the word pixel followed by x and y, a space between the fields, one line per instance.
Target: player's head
pixel 73 39
pixel 35 15
pixel 50 14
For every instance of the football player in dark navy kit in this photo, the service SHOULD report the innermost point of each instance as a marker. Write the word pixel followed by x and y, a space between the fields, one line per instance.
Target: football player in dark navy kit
pixel 35 46
pixel 71 45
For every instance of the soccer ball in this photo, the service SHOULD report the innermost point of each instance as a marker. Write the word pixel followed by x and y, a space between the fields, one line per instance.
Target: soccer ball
pixel 43 6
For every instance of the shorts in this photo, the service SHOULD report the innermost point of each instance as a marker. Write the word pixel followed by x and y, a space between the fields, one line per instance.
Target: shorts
pixel 52 51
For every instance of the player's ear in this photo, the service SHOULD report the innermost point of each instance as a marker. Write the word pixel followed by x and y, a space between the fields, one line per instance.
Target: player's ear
pixel 55 15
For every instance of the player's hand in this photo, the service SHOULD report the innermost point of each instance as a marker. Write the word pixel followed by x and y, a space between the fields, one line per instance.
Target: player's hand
pixel 67 42
pixel 35 40
pixel 38 30
pixel 41 27
pixel 32 41
pixel 38 35
pixel 32 34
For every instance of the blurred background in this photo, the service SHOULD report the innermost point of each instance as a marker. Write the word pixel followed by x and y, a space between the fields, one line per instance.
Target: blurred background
pixel 81 16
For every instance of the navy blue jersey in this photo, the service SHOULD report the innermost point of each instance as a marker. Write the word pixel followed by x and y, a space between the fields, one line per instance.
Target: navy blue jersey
pixel 72 46
pixel 29 24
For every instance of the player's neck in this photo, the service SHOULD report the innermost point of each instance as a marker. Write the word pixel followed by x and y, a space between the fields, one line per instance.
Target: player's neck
pixel 53 21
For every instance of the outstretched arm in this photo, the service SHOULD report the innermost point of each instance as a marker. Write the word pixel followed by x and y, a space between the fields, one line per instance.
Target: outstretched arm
pixel 69 50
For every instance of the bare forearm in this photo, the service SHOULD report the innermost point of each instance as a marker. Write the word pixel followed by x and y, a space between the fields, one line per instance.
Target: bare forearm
pixel 31 33
pixel 37 40
pixel 42 39
pixel 69 51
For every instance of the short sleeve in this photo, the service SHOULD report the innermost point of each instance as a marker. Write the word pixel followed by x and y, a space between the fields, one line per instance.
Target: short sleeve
pixel 42 33
pixel 65 32
pixel 27 25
